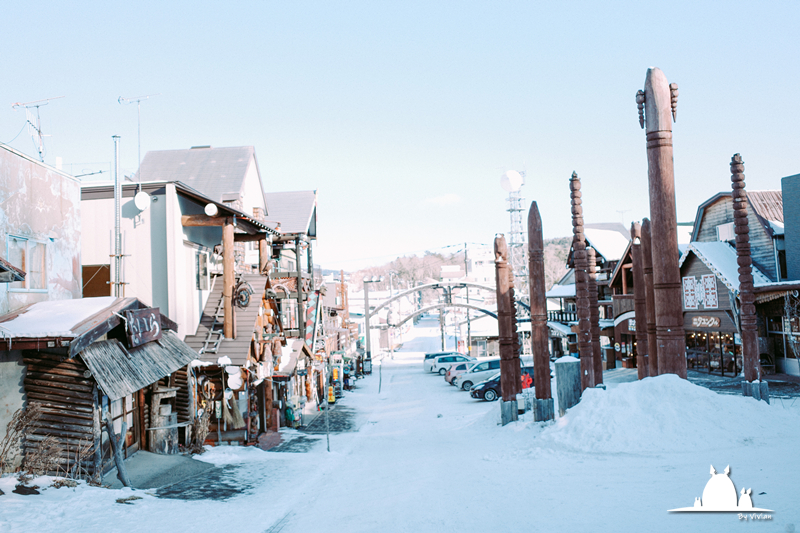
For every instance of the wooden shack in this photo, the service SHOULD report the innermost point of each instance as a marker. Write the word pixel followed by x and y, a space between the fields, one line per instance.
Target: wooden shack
pixel 90 360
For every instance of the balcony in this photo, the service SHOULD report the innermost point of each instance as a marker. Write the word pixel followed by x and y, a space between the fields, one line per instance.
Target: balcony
pixel 562 316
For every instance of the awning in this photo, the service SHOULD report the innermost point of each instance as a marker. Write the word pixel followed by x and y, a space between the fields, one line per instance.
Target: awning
pixel 559 329
pixel 120 371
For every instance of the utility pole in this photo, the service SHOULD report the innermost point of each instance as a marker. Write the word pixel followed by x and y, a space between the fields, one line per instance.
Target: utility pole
pixel 117 230
pixel 469 325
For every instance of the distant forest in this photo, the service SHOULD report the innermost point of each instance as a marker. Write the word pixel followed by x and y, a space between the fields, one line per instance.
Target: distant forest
pixel 413 270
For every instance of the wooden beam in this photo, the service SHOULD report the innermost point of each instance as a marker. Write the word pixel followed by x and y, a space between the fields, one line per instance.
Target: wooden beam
pixel 203 220
pixel 246 237
pixel 227 279
pixel 264 254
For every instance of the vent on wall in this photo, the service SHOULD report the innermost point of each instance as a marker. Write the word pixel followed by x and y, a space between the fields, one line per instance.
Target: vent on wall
pixel 725 232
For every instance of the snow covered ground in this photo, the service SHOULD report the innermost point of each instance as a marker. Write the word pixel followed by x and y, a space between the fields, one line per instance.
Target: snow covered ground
pixel 429 458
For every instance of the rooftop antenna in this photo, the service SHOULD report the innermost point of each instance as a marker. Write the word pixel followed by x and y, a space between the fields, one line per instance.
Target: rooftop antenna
pixel 138 100
pixel 35 123
pixel 622 214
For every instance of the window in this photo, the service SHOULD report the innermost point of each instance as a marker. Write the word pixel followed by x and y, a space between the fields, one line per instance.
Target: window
pixel 494 365
pixel 30 256
pixel 481 367
pixel 202 271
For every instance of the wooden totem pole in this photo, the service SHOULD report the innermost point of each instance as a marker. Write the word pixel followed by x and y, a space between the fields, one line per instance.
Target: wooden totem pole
pixel 581 286
pixel 747 311
pixel 659 100
pixel 594 316
pixel 650 300
pixel 639 302
pixel 510 379
pixel 543 404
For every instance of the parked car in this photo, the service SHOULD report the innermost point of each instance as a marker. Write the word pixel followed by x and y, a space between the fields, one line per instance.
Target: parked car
pixel 483 370
pixel 488 390
pixel 442 363
pixel 427 362
pixel 457 369
pixel 491 389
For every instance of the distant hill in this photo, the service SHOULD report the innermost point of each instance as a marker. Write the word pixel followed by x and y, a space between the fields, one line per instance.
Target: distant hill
pixel 410 271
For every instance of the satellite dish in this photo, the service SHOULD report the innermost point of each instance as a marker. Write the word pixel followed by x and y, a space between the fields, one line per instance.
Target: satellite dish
pixel 141 200
pixel 211 209
pixel 511 181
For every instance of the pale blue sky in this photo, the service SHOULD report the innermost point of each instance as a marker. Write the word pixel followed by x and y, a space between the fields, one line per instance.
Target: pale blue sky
pixel 403 115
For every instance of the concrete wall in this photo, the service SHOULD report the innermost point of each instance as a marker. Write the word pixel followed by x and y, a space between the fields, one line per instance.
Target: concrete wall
pixel 42 204
pixel 790 187
pixel 12 393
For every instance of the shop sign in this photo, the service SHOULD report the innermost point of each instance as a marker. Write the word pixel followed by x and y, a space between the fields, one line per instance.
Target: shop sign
pixel 705 322
pixel 143 326
pixel 302 372
pixel 616 347
pixel 631 324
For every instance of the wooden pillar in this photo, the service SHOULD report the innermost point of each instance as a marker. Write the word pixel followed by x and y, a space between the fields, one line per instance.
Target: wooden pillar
pixel 581 286
pixel 539 333
pixel 639 303
pixel 747 311
pixel 594 316
pixel 97 433
pixel 650 302
pixel 263 255
pixel 301 318
pixel 659 99
pixel 227 278
pixel 543 408
pixel 506 322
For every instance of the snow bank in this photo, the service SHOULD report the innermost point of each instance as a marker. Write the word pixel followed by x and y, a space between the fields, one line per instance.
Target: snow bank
pixel 663 414
pixel 224 455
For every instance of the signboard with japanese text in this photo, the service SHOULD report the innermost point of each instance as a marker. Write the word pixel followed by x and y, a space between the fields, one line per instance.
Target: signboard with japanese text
pixel 705 321
pixel 142 326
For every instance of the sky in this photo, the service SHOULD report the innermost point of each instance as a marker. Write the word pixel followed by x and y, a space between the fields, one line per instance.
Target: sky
pixel 404 115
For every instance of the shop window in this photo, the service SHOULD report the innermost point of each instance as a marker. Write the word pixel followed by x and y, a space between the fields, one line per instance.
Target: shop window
pixel 31 257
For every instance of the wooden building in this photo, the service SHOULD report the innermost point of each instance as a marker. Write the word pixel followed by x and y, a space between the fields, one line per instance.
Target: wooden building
pixel 94 359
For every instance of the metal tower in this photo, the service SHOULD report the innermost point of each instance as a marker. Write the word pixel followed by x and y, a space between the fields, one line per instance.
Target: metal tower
pixel 518 240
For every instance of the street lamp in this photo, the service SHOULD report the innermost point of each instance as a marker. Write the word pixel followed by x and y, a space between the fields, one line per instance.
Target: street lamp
pixel 368 357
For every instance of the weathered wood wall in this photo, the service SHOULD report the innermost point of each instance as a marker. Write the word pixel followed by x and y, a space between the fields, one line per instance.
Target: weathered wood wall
pixel 721 212
pixel 63 392
pixel 695 267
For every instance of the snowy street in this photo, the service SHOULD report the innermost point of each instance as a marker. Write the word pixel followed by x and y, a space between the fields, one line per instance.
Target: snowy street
pixel 423 456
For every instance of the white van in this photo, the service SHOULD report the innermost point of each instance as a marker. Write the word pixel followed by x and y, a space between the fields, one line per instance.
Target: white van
pixel 479 372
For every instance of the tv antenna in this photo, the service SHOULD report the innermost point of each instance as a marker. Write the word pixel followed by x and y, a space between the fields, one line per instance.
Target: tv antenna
pixel 622 214
pixel 138 100
pixel 35 122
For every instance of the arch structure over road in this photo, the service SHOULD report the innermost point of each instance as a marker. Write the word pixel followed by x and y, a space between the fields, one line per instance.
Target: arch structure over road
pixel 441 306
pixel 438 285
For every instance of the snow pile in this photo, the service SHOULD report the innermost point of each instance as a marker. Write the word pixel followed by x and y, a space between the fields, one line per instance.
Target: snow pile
pixel 664 414
pixel 54 318
pixel 225 455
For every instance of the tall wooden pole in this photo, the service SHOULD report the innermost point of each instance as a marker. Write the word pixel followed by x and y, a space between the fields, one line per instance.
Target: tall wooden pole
pixel 747 312
pixel 659 99
pixel 650 300
pixel 263 255
pixel 227 278
pixel 539 333
pixel 506 322
pixel 581 285
pixel 639 303
pixel 594 316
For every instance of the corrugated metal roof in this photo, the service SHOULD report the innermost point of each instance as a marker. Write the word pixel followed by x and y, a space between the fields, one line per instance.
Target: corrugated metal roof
pixel 294 210
pixel 767 204
pixel 120 372
pixel 15 273
pixel 212 171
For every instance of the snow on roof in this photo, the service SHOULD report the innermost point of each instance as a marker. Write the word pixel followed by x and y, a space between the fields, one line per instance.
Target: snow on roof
pixel 720 258
pixel 777 226
pixel 559 329
pixel 54 318
pixel 561 291
pixel 608 243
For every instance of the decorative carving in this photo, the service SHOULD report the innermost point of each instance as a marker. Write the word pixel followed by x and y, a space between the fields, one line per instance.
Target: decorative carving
pixel 747 311
pixel 640 105
pixel 581 285
pixel 673 90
